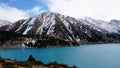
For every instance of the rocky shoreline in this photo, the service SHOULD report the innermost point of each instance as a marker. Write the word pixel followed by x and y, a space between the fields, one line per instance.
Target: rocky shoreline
pixel 30 63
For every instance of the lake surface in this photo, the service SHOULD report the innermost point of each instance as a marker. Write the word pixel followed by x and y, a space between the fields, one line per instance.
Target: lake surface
pixel 84 56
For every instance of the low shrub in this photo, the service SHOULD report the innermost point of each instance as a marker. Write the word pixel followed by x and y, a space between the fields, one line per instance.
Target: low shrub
pixel 8 65
pixel 23 64
pixel 2 60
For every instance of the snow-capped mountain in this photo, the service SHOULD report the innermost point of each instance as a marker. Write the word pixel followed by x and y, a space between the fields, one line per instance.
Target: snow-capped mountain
pixel 47 23
pixel 50 25
pixel 4 24
pixel 57 25
pixel 103 26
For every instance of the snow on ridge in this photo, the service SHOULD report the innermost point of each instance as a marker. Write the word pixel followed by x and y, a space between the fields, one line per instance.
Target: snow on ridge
pixel 47 20
pixel 22 25
pixel 26 31
pixel 101 25
pixel 32 21
pixel 4 22
pixel 29 25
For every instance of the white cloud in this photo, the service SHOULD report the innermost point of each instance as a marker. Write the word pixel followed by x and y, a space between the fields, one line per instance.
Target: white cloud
pixel 13 14
pixel 35 11
pixel 99 9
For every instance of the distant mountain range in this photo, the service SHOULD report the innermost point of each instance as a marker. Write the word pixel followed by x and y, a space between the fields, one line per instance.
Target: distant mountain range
pixel 63 30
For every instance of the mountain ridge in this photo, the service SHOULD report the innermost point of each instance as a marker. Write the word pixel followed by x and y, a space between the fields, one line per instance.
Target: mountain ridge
pixel 50 25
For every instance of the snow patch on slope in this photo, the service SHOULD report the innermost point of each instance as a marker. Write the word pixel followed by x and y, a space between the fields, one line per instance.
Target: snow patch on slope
pixel 30 25
pixel 4 22
pixel 21 26
pixel 26 31
pixel 102 26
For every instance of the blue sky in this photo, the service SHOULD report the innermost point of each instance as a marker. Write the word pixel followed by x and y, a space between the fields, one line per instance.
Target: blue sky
pixel 25 4
pixel 14 10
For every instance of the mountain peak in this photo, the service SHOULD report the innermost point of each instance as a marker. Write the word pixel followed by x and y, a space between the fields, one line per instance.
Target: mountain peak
pixel 87 18
pixel 115 21
pixel 50 24
pixel 4 23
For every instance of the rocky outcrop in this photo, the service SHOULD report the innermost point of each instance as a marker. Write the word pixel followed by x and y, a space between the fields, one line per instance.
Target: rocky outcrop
pixel 57 25
pixel 4 24
pixel 64 30
pixel 31 63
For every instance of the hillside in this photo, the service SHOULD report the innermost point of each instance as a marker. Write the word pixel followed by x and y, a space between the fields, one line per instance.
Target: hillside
pixel 51 29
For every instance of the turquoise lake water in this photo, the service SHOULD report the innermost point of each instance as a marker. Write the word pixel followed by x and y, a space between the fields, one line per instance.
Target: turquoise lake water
pixel 83 56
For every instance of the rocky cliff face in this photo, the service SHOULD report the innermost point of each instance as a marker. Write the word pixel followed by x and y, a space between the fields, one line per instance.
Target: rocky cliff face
pixel 109 28
pixel 54 24
pixel 49 25
pixel 4 24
